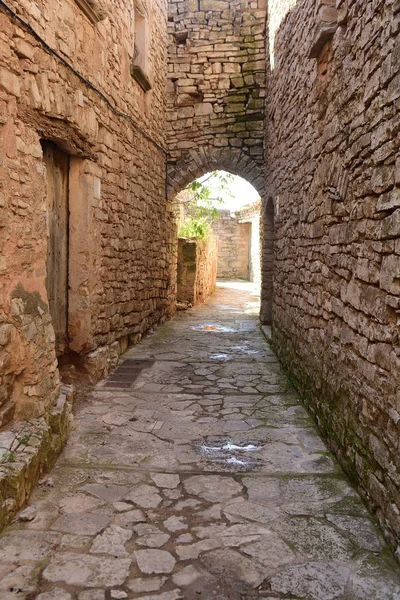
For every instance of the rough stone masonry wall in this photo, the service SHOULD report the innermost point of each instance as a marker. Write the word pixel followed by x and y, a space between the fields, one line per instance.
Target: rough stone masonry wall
pixel 233 240
pixel 250 215
pixel 197 269
pixel 333 170
pixel 216 89
pixel 238 244
pixel 122 245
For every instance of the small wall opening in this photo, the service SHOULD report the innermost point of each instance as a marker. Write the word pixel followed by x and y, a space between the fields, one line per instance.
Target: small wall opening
pixel 139 65
pixel 140 42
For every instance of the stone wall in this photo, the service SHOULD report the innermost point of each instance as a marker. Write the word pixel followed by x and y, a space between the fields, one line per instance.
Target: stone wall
pixel 216 89
pixel 81 96
pixel 233 240
pixel 334 175
pixel 250 215
pixel 238 244
pixel 197 269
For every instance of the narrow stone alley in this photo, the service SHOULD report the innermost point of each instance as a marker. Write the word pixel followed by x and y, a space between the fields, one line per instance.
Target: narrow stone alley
pixel 194 472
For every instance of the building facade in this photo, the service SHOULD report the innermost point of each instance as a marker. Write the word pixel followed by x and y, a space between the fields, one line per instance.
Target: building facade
pixel 332 161
pixel 87 240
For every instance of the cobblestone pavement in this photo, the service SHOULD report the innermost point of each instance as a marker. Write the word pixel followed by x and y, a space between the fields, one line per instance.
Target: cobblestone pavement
pixel 196 474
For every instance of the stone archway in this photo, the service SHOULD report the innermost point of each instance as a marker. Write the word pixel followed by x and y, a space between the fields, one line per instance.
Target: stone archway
pixel 195 163
pixel 216 91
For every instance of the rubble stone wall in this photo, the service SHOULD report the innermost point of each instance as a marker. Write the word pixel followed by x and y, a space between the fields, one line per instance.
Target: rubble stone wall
pixel 216 89
pixel 197 269
pixel 333 167
pixel 83 98
pixel 233 253
pixel 250 215
pixel 238 244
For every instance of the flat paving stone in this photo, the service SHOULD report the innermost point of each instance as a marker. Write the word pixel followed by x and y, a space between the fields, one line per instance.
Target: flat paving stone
pixel 82 523
pixel 165 480
pixel 314 581
pixel 17 579
pixel 155 561
pixel 145 496
pixel 316 537
pixel 112 541
pixel 140 585
pixel 251 511
pixel 105 491
pixel 188 575
pixel 234 565
pixel 205 479
pixel 24 546
pixel 87 571
pixel 213 488
pixel 55 594
pixel 270 551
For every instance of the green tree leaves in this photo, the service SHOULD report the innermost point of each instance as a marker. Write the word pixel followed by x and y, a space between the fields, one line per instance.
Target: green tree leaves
pixel 202 207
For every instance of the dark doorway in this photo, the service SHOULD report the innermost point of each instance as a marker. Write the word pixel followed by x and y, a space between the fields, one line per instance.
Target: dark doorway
pixel 57 167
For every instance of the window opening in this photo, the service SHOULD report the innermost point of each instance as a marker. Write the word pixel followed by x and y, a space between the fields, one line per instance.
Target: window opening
pixel 139 65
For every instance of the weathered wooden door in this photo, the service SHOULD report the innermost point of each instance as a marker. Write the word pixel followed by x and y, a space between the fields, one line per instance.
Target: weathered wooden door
pixel 57 166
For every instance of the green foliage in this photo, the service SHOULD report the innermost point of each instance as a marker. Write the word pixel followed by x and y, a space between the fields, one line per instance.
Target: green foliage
pixel 202 207
pixel 25 439
pixel 7 457
pixel 192 227
pixel 204 200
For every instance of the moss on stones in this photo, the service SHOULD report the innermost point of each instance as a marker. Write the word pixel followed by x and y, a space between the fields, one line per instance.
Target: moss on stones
pixel 326 408
pixel 32 301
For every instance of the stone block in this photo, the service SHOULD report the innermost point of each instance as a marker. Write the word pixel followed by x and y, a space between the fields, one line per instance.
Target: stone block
pixel 203 109
pixel 389 200
pixel 5 333
pixel 24 49
pixel 10 82
pixel 390 274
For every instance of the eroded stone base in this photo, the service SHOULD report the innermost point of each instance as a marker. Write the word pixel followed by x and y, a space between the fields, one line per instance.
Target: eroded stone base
pixel 345 436
pixel 28 450
pixel 101 361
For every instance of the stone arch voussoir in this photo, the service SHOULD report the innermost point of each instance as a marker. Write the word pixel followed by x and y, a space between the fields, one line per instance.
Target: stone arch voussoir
pixel 195 163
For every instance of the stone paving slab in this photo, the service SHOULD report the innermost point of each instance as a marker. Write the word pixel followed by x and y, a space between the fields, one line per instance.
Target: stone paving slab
pixel 207 479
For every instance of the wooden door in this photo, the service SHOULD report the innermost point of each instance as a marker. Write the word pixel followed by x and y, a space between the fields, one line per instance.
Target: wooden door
pixel 57 166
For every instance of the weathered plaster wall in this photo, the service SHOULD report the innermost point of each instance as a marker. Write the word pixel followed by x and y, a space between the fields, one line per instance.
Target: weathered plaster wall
pixel 216 89
pixel 334 174
pixel 197 269
pixel 122 245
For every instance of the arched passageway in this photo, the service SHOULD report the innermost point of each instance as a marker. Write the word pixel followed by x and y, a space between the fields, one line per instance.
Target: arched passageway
pixel 216 91
pixel 216 79
pixel 196 163
pixel 219 220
